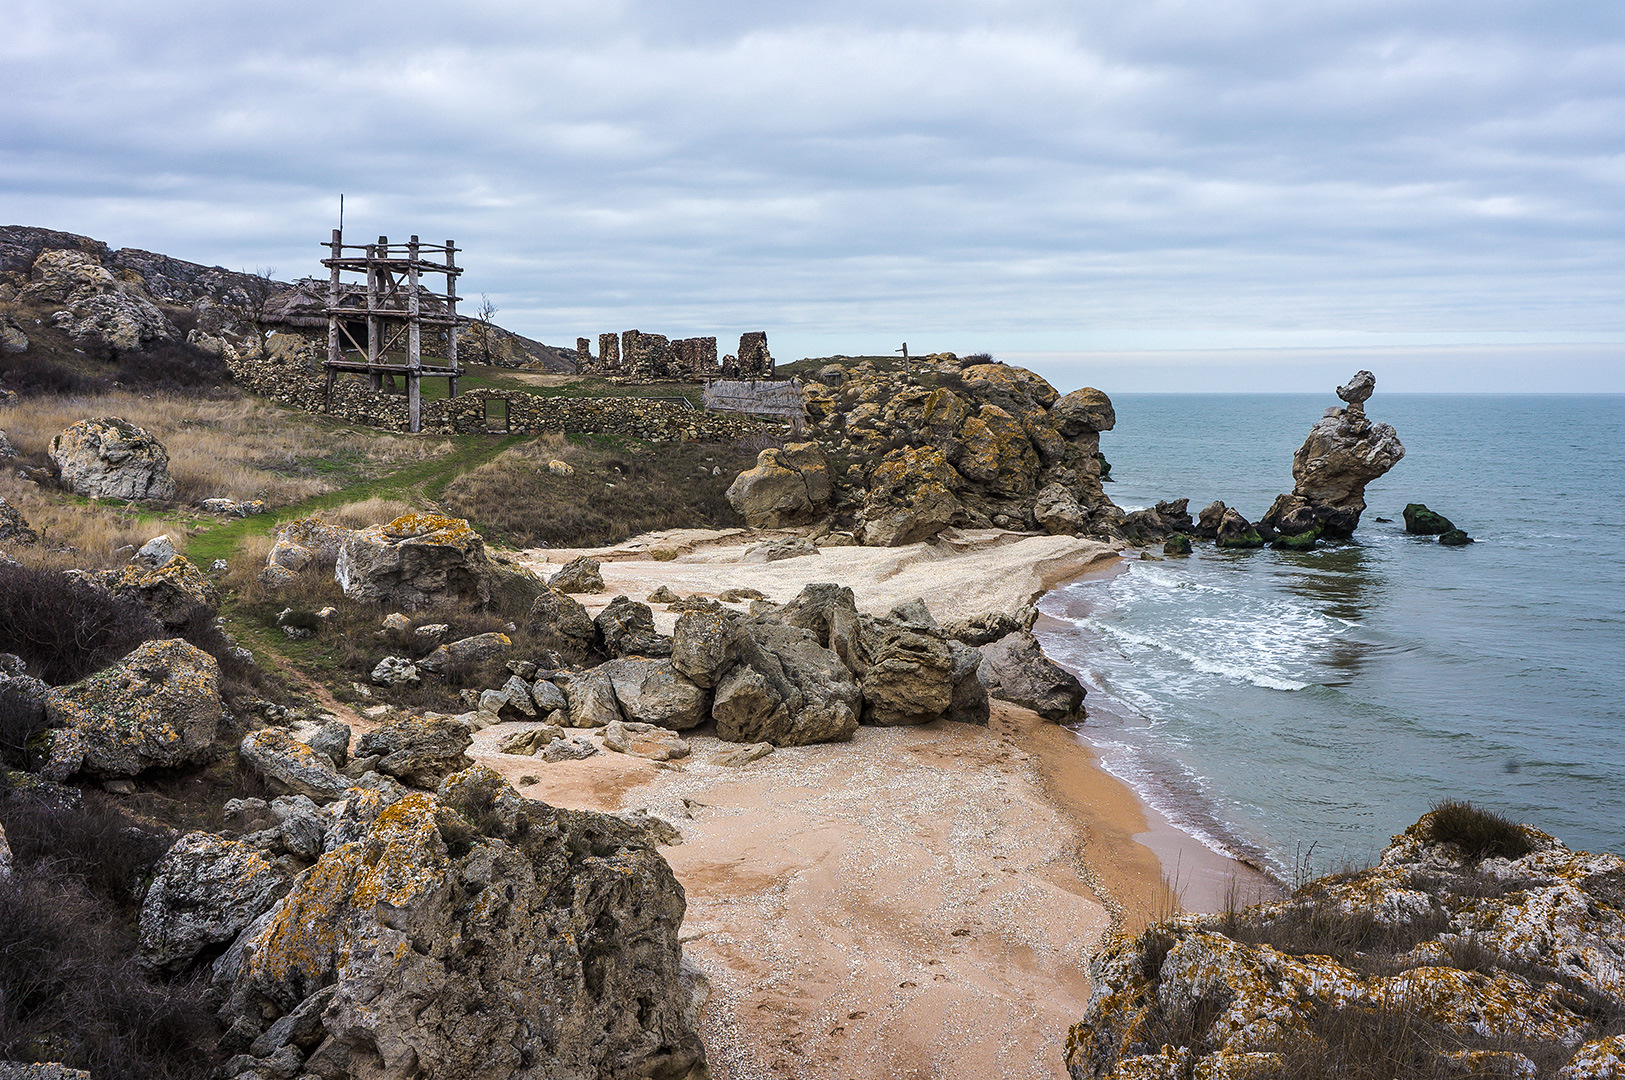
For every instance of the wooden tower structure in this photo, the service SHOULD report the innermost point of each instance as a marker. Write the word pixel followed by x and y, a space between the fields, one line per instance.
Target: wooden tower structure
pixel 388 311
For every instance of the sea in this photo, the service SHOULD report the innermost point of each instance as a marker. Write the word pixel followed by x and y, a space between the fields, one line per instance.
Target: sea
pixel 1298 710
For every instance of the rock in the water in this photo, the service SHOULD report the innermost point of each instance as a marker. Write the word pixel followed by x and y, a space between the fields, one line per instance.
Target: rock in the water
pixel 170 591
pixel 466 652
pixel 475 933
pixel 1424 522
pixel 627 628
pixel 1289 515
pixel 1455 538
pixel 788 486
pixel 1343 453
pixel 159 707
pixel 1236 532
pixel 204 892
pixel 645 741
pixel 291 766
pixel 580 575
pixel 1177 544
pixel 14 527
pixel 1468 934
pixel 1015 669
pixel 413 561
pixel 417 751
pixel 1207 522
pixel 395 671
pixel 655 692
pixel 109 458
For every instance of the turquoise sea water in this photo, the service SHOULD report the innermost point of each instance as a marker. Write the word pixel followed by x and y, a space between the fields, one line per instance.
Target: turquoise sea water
pixel 1275 704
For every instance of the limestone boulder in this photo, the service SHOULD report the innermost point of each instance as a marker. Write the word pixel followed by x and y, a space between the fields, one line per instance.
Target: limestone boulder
pixel 920 517
pixel 414 561
pixel 699 647
pixel 204 892
pixel 529 742
pixel 513 587
pixel 645 741
pixel 1015 669
pixel 1083 410
pixel 417 751
pixel 306 542
pixel 560 622
pixel 997 452
pixel 655 692
pixel 474 933
pixel 579 575
pixel 395 671
pixel 159 707
pixel 171 590
pixel 106 457
pixel 289 765
pixel 785 688
pixel 466 652
pixel 1059 512
pixel 591 697
pixel 1207 522
pixel 14 527
pixel 627 628
pixel 788 486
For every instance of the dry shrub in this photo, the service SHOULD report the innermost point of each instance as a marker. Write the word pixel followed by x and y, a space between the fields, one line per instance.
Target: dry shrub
pixel 64 628
pixel 235 447
pixel 616 491
pixel 367 512
pixel 1479 834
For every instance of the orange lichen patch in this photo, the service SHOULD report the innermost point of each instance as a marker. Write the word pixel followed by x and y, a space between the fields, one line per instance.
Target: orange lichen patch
pixel 128 715
pixel 430 528
pixel 905 470
pixel 997 451
pixel 1013 381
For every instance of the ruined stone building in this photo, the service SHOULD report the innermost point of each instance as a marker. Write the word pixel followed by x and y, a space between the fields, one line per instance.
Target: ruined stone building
pixel 636 355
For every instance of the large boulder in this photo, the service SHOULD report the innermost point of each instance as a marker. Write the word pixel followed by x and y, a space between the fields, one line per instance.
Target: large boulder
pixel 655 692
pixel 627 628
pixel 1343 453
pixel 466 652
pixel 291 766
pixel 785 689
pixel 560 622
pixel 159 707
pixel 1424 522
pixel 170 590
pixel 1474 947
pixel 591 695
pixel 106 457
pixel 417 751
pixel 1236 531
pixel 96 305
pixel 473 933
pixel 1015 669
pixel 204 892
pixel 579 575
pixel 514 588
pixel 1058 511
pixel 788 486
pixel 908 674
pixel 1083 410
pixel 414 561
pixel 699 646
pixel 306 542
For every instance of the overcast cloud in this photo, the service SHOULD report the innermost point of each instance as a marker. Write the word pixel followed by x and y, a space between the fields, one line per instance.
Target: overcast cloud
pixel 1099 189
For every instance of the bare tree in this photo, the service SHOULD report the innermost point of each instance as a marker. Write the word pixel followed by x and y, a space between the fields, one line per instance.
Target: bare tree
pixel 482 326
pixel 250 301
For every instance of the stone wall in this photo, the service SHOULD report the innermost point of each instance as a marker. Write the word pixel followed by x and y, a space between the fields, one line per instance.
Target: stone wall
pixel 291 374
pixel 647 357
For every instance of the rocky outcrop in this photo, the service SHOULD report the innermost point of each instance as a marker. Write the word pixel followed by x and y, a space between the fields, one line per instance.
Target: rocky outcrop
pixel 159 707
pixel 172 589
pixel 92 303
pixel 655 692
pixel 204 892
pixel 784 688
pixel 471 932
pixel 1424 522
pixel 289 765
pixel 413 561
pixel 579 575
pixel 560 622
pixel 789 486
pixel 1015 669
pixel 627 628
pixel 1235 531
pixel 1344 452
pixel 1475 947
pixel 979 444
pixel 109 458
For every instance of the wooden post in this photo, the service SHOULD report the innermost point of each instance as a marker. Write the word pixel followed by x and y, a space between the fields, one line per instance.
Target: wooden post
pixel 414 342
pixel 451 309
pixel 374 253
pixel 337 246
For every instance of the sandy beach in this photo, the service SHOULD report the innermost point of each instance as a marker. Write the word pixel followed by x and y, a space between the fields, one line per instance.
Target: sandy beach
pixel 920 901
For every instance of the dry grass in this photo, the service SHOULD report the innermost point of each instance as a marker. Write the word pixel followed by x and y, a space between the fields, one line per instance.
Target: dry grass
pixel 234 448
pixel 620 488
pixel 366 513
pixel 76 535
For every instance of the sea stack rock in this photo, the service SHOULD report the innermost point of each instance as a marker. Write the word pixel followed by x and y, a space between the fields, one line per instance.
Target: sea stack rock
pixel 1343 453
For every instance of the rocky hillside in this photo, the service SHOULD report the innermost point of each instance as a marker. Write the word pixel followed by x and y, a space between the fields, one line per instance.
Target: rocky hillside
pixel 1476 947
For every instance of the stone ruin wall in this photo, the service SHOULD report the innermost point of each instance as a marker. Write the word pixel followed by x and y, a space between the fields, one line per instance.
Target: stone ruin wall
pixel 642 357
pixel 291 374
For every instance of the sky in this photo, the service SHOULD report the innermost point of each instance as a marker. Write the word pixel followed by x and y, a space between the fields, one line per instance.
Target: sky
pixel 1242 195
